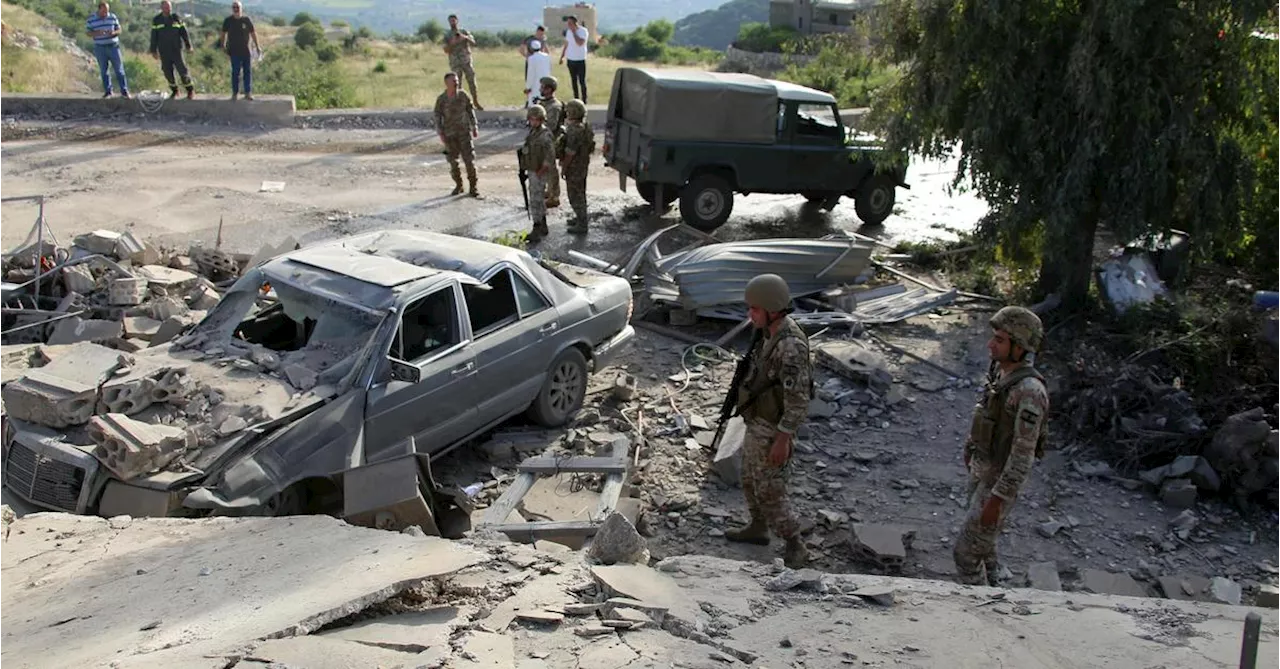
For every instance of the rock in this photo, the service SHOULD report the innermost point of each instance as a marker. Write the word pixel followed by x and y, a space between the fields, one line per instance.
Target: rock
pixel 820 409
pixel 618 541
pixel 1185 522
pixel 75 329
pixel 164 308
pixel 120 522
pixel 540 617
pixel 300 377
pixel 1243 451
pixel 1094 468
pixel 728 459
pixel 790 579
pixel 1185 587
pixel 1044 576
pixel 1107 583
pixel 881 544
pixel 232 425
pixel 1225 591
pixel 880 594
pixel 856 362
pixel 1050 528
pixel 697 422
pixel 1178 493
pixel 174 326
pixel 414 531
pixel 1268 597
pixel 624 387
pixel 1198 470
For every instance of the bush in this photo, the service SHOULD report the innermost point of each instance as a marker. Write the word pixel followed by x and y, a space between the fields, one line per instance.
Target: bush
pixel 761 37
pixel 300 73
pixel 279 21
pixel 143 75
pixel 338 23
pixel 660 30
pixel 431 31
pixel 328 52
pixel 511 37
pixel 301 19
pixel 842 68
pixel 380 67
pixel 486 40
pixel 308 35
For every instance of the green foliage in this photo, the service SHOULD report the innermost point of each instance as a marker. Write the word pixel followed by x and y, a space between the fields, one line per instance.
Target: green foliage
pixel 643 45
pixel 661 30
pixel 339 23
pixel 328 52
pixel 309 35
pixel 515 239
pixel 718 28
pixel 486 40
pixel 380 67
pixel 841 66
pixel 1139 113
pixel 431 31
pixel 143 74
pixel 511 37
pixel 761 38
pixel 300 73
pixel 303 18
pixel 279 21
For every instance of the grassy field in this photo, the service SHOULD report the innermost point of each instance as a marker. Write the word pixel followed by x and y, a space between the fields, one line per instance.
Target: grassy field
pixel 414 76
pixel 47 69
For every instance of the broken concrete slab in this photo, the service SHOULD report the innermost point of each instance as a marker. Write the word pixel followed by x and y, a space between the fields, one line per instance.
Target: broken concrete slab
pixel 265 577
pixel 204 295
pixel 1044 576
pixel 883 545
pixel 855 362
pixel 791 579
pixel 320 652
pixel 164 308
pixel 168 280
pixel 880 594
pixel 1185 587
pixel 416 631
pixel 79 279
pixel 173 326
pixel 540 617
pixel 1268 597
pixel 1108 583
pixel 74 329
pixel 1225 591
pixel 126 292
pixel 486 649
pixel 618 541
pixel 102 242
pixel 131 448
pixel 140 327
pixel 646 585
pixel 1178 493
pixel 728 459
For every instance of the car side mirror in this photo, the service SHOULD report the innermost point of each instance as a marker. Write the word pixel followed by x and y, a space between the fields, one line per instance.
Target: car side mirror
pixel 403 371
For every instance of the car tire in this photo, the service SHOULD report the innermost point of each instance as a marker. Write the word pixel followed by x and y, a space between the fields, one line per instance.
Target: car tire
pixel 562 391
pixel 706 202
pixel 292 501
pixel 875 199
pixel 649 191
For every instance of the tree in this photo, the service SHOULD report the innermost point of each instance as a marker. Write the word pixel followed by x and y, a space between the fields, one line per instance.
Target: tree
pixel 1071 113
pixel 309 35
pixel 431 31
pixel 302 18
pixel 279 21
pixel 660 30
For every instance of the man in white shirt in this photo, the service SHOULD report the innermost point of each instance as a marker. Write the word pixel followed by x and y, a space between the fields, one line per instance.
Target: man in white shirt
pixel 575 50
pixel 538 65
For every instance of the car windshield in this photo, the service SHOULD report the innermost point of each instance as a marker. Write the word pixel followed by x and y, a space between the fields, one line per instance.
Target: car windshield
pixel 304 328
pixel 817 120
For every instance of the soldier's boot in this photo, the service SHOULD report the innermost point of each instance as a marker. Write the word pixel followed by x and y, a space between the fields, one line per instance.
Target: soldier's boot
pixel 173 92
pixel 796 555
pixel 539 231
pixel 578 226
pixel 457 181
pixel 755 532
pixel 472 179
pixel 191 92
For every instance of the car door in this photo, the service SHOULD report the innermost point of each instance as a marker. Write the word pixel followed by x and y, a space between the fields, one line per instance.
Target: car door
pixel 817 146
pixel 513 329
pixel 440 407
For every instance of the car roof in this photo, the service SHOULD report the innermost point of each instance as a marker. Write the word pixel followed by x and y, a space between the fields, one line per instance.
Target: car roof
pixel 797 93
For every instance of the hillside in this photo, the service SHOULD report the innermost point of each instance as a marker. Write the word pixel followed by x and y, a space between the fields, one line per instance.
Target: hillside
pixel 405 16
pixel 34 57
pixel 717 28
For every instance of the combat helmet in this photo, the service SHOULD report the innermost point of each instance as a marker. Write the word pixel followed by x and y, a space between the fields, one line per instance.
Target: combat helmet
pixel 550 82
pixel 574 109
pixel 1022 325
pixel 769 292
pixel 537 111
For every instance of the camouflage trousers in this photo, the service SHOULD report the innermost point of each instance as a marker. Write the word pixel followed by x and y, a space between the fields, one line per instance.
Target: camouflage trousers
pixel 975 549
pixel 537 197
pixel 464 70
pixel 459 146
pixel 575 185
pixel 763 485
pixel 553 183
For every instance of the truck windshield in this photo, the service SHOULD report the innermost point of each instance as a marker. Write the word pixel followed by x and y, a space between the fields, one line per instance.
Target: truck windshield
pixel 817 121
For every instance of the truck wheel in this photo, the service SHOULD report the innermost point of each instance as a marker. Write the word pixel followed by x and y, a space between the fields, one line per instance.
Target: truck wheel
pixel 563 391
pixel 874 200
pixel 649 191
pixel 706 202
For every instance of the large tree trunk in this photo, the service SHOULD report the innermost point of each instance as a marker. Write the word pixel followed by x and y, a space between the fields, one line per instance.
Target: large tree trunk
pixel 1067 266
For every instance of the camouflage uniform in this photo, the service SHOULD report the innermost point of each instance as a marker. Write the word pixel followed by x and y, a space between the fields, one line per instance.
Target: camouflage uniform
pixel 1008 429
pixel 779 382
pixel 460 60
pixel 554 124
pixel 456 120
pixel 538 152
pixel 579 142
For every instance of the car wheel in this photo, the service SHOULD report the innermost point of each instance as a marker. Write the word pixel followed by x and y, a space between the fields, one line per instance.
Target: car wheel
pixel 874 200
pixel 291 501
pixel 649 191
pixel 563 390
pixel 706 202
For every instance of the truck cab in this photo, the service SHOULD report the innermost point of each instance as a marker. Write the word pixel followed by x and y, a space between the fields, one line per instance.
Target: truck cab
pixel 699 137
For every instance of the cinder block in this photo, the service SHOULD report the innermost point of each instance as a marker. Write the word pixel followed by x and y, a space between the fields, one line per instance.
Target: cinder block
pixel 74 329
pixel 164 308
pixel 45 399
pixel 78 279
pixel 131 448
pixel 127 292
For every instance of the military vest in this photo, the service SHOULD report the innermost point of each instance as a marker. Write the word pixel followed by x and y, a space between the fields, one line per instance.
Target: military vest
pixel 760 396
pixel 992 429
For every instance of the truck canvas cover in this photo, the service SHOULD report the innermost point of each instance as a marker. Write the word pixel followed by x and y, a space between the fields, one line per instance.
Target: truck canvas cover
pixel 699 106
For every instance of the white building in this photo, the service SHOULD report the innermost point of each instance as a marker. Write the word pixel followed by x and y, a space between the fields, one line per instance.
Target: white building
pixel 815 17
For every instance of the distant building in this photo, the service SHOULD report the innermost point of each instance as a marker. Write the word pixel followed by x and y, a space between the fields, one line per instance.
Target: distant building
pixel 554 19
pixel 815 17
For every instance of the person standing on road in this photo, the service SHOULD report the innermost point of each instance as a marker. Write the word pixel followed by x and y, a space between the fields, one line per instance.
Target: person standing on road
pixel 575 49
pixel 1007 435
pixel 104 28
pixel 168 40
pixel 455 118
pixel 555 124
pixel 458 43
pixel 536 68
pixel 539 158
pixel 773 400
pixel 578 142
pixel 237 33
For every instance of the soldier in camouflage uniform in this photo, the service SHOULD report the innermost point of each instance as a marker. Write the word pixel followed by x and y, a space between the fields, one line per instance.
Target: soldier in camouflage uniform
pixel 555 124
pixel 1008 432
pixel 578 141
pixel 773 400
pixel 539 158
pixel 458 43
pixel 456 123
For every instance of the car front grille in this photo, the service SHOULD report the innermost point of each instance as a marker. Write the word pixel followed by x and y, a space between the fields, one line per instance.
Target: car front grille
pixel 42 479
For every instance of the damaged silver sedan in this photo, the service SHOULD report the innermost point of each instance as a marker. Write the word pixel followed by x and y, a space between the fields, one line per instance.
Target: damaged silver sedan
pixel 328 359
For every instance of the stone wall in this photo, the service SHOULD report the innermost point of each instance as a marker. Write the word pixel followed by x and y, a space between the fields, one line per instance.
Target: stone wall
pixel 738 60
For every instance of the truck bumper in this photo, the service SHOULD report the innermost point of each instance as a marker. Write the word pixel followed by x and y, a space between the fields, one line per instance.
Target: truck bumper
pixel 606 353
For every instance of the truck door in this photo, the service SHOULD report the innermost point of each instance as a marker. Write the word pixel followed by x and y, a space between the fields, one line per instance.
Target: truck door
pixel 817 148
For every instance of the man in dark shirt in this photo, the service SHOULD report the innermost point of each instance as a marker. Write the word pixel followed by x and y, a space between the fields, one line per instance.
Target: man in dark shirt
pixel 237 32
pixel 539 35
pixel 168 38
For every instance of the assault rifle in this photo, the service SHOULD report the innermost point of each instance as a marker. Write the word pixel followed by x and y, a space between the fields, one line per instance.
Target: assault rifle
pixel 730 407
pixel 523 175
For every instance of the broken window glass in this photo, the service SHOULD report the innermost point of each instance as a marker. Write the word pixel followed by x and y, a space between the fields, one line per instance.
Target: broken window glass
pixel 492 305
pixel 528 298
pixel 428 326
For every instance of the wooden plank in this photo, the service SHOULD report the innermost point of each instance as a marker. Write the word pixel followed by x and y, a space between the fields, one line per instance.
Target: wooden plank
pixel 612 489
pixel 582 465
pixel 510 498
pixel 547 528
